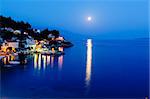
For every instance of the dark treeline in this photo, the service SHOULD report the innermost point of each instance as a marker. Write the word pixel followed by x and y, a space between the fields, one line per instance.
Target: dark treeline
pixel 8 22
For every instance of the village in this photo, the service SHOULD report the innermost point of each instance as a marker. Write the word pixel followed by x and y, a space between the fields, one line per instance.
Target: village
pixel 20 44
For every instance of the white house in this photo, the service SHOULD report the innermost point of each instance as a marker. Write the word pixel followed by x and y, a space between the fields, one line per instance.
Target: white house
pixel 36 31
pixel 30 43
pixel 51 36
pixel 17 32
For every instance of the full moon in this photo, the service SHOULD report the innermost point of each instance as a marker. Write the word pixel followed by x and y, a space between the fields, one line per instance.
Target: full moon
pixel 89 18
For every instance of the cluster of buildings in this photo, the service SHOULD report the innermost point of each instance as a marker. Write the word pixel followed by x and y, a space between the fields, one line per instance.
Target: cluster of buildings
pixel 13 45
pixel 10 48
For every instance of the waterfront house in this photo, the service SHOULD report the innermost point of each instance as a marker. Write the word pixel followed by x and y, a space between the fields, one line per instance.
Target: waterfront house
pixel 59 38
pixel 7 45
pixel 30 43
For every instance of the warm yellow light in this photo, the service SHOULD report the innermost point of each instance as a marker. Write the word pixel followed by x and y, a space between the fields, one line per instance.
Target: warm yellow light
pixel 35 61
pixel 48 60
pixel 5 60
pixel 12 57
pixel 60 62
pixel 60 38
pixel 44 61
pixel 88 62
pixel 61 49
pixel 53 50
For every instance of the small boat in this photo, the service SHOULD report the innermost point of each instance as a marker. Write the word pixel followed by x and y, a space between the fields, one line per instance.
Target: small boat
pixel 14 62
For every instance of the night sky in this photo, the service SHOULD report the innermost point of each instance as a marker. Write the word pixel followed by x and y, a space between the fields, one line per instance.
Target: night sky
pixel 110 18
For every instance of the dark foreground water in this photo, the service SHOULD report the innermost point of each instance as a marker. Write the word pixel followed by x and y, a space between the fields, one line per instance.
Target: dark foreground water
pixel 98 69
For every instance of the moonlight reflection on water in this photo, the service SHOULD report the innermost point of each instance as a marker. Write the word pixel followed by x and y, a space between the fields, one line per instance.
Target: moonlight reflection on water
pixel 88 62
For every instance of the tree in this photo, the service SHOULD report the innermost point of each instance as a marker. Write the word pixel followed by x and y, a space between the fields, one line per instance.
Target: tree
pixel 8 22
pixel 6 35
pixel 55 33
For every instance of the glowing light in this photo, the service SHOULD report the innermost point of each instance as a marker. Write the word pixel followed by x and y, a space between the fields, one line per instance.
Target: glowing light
pixel 60 62
pixel 48 60
pixel 88 62
pixel 53 50
pixel 60 48
pixel 44 62
pixel 52 61
pixel 35 61
pixel 5 60
pixel 12 57
pixel 59 39
pixel 38 48
pixel 8 58
pixel 89 18
pixel 146 97
pixel 39 62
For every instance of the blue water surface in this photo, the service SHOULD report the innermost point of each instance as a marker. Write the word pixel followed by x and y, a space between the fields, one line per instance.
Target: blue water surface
pixel 101 69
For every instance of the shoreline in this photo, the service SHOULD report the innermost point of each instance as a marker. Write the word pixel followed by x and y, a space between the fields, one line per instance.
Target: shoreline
pixel 20 38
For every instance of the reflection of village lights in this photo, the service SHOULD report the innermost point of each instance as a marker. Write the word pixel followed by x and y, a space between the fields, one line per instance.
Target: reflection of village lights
pixel 60 62
pixel 35 61
pixel 52 61
pixel 5 61
pixel 44 61
pixel 89 62
pixel 48 60
pixel 8 58
pixel 39 62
